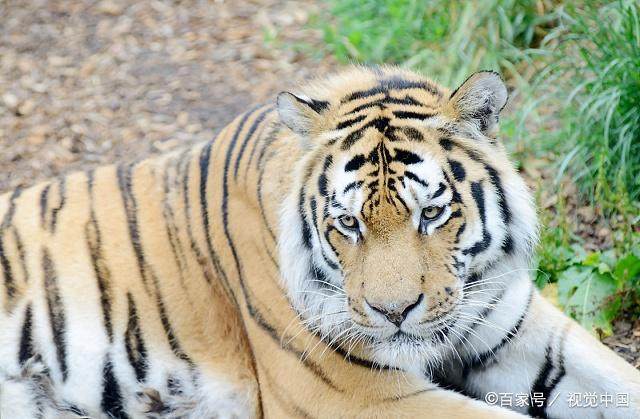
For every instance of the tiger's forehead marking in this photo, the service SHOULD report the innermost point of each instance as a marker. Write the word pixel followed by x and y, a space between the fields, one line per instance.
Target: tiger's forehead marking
pixel 382 179
pixel 383 108
pixel 386 85
pixel 380 173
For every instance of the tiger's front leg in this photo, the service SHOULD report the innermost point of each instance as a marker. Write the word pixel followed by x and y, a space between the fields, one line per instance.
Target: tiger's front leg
pixel 547 365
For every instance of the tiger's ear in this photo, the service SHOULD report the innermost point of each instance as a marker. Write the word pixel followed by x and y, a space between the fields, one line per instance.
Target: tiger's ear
pixel 299 112
pixel 479 100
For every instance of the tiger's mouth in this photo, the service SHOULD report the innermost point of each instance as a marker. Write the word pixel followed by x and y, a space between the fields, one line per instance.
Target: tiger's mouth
pixel 403 338
pixel 427 333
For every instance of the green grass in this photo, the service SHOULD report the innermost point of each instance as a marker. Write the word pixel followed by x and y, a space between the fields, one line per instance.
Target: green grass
pixel 593 83
pixel 573 72
pixel 438 36
pixel 600 118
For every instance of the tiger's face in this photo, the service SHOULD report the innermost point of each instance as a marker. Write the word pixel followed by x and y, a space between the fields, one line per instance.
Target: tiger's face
pixel 391 221
pixel 399 209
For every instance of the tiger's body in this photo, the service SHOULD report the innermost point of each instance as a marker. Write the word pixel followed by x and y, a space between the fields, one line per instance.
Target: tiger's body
pixel 225 280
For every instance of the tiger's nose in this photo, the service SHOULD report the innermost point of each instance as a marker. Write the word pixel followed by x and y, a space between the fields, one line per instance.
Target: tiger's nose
pixel 396 313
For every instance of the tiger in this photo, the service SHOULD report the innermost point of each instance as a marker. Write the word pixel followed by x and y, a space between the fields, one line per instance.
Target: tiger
pixel 359 248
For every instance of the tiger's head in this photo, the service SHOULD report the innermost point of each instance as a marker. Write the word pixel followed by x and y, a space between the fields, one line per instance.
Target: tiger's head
pixel 404 197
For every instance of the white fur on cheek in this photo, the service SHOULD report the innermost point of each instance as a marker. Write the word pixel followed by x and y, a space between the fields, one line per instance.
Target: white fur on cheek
pixel 324 305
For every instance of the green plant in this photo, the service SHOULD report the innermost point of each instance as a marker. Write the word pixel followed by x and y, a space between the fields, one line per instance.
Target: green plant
pixel 600 121
pixel 438 36
pixel 594 289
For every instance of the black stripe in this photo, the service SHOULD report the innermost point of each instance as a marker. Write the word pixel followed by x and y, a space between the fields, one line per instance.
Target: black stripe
pixel 44 204
pixel 478 195
pixel 380 103
pixel 505 211
pixel 225 201
pixel 247 137
pixel 408 395
pixel 306 230
pixel 545 383
pixel 412 115
pixel 269 254
pixel 397 196
pixel 168 214
pixel 314 217
pixel 352 139
pixel 322 179
pixel 21 254
pixel 460 231
pixel 457 169
pixel 410 175
pixel 380 124
pixel 125 184
pixel 354 359
pixel 315 104
pixel 263 214
pixel 134 343
pixel 26 340
pixel 263 159
pixel 147 274
pixel 350 122
pixel 168 329
pixel 56 311
pixel 412 134
pixel 102 272
pixel 185 171
pixel 485 358
pixel 441 188
pixel 485 311
pixel 446 143
pixel 75 410
pixel 203 163
pixel 406 157
pixel 352 185
pixel 497 183
pixel 268 138
pixel 100 268
pixel 328 161
pixel 7 272
pixel 391 84
pixel 322 185
pixel 355 163
pixel 494 176
pixel 111 396
pixel 62 198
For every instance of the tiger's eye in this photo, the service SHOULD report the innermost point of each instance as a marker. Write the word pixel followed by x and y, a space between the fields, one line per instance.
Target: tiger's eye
pixel 431 212
pixel 349 222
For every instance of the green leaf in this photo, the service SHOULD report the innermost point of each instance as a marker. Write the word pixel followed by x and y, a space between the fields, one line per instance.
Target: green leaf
pixel 586 295
pixel 592 259
pixel 627 269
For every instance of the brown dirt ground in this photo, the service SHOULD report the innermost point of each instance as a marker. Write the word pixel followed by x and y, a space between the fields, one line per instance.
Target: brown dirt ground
pixel 84 83
pixel 89 82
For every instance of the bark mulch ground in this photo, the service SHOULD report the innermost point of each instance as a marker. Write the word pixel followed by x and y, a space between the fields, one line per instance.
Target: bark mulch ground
pixel 85 83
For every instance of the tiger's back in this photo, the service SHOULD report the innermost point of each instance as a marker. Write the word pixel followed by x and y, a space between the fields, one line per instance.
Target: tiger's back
pixel 108 299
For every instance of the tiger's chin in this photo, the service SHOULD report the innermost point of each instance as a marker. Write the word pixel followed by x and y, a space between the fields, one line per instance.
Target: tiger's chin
pixel 408 352
pixel 404 350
